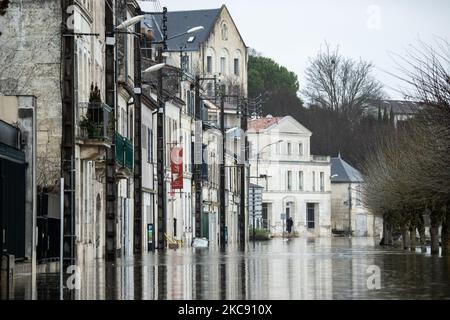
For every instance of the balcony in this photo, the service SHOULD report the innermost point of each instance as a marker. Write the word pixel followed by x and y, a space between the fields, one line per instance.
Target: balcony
pixel 320 158
pixel 93 121
pixel 124 156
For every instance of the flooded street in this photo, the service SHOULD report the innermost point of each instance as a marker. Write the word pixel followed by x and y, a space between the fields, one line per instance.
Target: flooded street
pixel 299 269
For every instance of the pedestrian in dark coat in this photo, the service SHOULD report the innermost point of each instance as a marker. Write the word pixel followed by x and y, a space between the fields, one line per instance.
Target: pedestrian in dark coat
pixel 290 224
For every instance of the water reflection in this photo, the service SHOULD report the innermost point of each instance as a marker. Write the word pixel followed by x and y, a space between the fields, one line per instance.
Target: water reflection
pixel 279 270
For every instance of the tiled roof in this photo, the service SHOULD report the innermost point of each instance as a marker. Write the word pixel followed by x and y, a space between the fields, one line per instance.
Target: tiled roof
pixel 342 172
pixel 179 22
pixel 263 124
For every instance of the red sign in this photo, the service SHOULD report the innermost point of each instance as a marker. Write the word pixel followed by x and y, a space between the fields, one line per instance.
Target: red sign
pixel 176 164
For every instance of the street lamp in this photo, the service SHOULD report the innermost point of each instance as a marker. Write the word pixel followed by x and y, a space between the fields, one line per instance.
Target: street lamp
pixel 154 68
pixel 190 31
pixel 130 22
pixel 257 178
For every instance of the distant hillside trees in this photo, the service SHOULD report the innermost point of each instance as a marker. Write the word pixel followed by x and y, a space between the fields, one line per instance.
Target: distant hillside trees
pixel 274 82
pixel 338 124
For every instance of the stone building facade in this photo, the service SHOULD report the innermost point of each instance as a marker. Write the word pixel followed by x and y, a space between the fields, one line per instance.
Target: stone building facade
pixel 348 211
pixel 296 184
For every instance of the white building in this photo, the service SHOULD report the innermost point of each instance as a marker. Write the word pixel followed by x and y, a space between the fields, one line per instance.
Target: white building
pixel 296 184
pixel 347 204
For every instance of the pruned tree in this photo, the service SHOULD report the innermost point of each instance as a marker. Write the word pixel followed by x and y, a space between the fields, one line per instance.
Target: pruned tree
pixel 341 84
pixel 410 173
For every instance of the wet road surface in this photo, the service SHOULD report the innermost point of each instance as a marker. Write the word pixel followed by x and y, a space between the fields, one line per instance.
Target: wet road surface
pixel 336 268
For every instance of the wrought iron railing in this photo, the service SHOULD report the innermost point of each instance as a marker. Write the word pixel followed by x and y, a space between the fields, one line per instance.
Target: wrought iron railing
pixel 124 151
pixel 93 121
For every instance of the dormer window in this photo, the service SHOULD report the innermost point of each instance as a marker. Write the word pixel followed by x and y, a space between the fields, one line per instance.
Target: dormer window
pixel 191 39
pixel 224 32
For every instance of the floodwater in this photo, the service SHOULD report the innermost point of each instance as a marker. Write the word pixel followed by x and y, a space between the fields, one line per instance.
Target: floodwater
pixel 337 268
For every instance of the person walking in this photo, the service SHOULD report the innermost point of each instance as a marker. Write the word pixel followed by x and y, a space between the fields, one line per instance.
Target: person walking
pixel 289 225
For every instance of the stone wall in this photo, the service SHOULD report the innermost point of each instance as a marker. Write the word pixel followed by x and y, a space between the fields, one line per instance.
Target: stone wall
pixel 30 59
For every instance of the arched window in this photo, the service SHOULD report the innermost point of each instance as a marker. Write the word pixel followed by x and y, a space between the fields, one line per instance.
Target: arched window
pixel 210 61
pixel 224 56
pixel 237 63
pixel 224 30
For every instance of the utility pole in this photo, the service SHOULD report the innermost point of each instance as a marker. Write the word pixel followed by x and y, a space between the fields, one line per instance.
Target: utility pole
pixel 198 154
pixel 222 214
pixel 350 210
pixel 137 144
pixel 68 149
pixel 160 155
pixel 245 153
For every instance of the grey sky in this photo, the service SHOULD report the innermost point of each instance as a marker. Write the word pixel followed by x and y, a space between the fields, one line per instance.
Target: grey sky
pixel 292 31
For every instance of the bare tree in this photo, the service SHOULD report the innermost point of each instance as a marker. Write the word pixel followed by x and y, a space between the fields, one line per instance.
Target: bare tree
pixel 411 172
pixel 341 84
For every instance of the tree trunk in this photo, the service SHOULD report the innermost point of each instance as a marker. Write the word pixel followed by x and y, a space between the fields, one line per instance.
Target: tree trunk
pixel 412 238
pixel 388 239
pixel 445 237
pixel 434 234
pixel 405 237
pixel 423 241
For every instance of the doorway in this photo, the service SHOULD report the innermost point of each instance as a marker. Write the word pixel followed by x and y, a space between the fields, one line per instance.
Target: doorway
pixel 311 216
pixel 98 210
pixel 361 225
pixel 12 208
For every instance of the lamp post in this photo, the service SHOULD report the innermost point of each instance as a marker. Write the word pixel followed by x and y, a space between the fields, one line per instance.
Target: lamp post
pixel 257 179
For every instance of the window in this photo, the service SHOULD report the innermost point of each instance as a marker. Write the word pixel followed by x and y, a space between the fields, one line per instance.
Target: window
pixel 190 100
pixel 289 207
pixel 124 122
pixel 289 180
pixel 265 215
pixel 300 180
pixel 149 145
pixel 144 136
pixel 310 215
pixel 209 64
pixel 300 149
pixel 314 181
pixel 358 196
pixel 289 148
pixel 236 67
pixel 175 228
pixel 322 181
pixel 223 65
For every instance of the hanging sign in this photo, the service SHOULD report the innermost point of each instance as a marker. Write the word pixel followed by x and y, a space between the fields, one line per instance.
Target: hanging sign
pixel 176 164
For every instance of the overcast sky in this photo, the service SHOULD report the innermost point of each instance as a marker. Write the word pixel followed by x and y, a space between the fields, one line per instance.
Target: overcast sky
pixel 293 31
